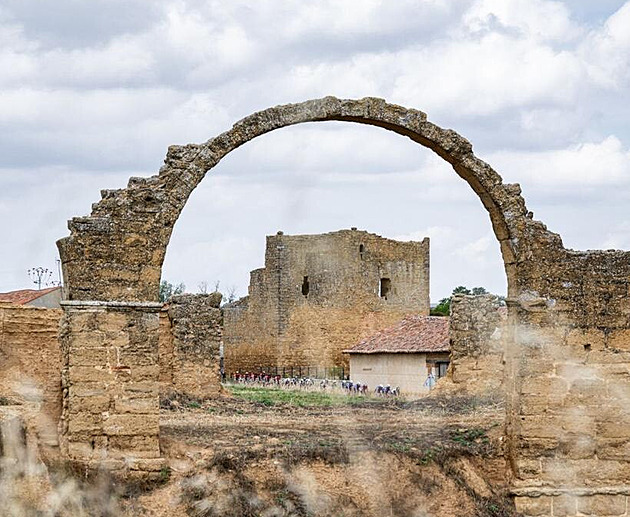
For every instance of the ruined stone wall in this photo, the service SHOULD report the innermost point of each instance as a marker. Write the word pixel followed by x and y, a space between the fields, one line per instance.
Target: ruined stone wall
pixel 30 360
pixel 110 375
pixel 196 323
pixel 320 294
pixel 567 367
pixel 165 352
pixel 476 332
pixel 571 371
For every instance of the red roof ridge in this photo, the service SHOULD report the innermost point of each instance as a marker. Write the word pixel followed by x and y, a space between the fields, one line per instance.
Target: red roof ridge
pixel 24 296
pixel 412 334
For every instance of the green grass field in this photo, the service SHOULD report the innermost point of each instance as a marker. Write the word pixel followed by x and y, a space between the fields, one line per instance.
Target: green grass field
pixel 298 398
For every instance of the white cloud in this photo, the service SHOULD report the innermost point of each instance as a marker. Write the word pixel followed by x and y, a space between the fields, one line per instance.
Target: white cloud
pixel 475 251
pixel 604 163
pixel 538 19
pixel 607 51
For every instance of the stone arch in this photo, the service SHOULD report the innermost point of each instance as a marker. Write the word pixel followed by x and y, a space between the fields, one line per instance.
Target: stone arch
pixel 570 315
pixel 116 253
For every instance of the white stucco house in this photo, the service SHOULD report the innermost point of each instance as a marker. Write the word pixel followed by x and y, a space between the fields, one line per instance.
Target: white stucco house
pixel 403 355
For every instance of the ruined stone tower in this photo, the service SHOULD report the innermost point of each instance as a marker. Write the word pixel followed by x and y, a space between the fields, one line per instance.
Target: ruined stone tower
pixel 319 294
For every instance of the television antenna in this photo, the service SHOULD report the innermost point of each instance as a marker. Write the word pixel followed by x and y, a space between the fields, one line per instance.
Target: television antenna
pixel 40 276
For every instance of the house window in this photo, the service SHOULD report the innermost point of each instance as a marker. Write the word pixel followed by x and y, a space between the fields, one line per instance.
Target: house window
pixel 440 368
pixel 305 286
pixel 385 288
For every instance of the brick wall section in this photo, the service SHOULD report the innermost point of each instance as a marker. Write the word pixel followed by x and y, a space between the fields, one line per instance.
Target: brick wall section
pixel 196 323
pixel 476 334
pixel 29 356
pixel 278 324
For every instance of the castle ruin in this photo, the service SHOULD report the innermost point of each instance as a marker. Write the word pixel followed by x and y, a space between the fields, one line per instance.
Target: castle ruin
pixel 319 294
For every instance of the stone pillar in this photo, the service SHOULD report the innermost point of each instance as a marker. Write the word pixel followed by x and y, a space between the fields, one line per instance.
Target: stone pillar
pixel 110 377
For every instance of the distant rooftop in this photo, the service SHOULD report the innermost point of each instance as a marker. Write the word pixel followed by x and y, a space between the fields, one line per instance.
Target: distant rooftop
pixel 25 295
pixel 411 335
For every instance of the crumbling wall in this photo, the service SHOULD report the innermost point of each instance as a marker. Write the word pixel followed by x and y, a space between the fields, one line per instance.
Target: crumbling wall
pixel 476 332
pixel 165 351
pixel 110 375
pixel 196 323
pixel 30 360
pixel 570 373
pixel 320 294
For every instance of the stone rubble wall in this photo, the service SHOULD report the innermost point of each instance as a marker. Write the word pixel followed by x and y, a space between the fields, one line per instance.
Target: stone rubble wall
pixel 196 323
pixel 476 331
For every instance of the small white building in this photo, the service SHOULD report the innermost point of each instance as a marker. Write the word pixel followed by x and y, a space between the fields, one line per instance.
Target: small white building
pixel 403 355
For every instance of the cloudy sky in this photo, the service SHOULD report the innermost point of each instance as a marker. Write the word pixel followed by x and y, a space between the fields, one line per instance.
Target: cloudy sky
pixel 92 93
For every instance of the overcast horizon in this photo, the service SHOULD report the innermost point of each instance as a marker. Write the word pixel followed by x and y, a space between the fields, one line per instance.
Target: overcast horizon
pixel 93 94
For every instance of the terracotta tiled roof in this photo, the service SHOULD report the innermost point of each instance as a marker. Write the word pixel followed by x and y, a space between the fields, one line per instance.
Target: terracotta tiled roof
pixel 412 334
pixel 25 295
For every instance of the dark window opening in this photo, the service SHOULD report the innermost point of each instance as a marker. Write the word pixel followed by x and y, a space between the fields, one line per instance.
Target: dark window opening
pixel 361 250
pixel 386 287
pixel 305 286
pixel 441 368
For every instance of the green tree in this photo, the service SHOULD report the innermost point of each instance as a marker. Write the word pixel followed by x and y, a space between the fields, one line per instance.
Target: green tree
pixel 443 308
pixel 167 290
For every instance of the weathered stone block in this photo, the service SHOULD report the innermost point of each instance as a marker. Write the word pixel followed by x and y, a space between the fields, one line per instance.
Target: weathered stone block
pixel 145 373
pixel 141 389
pixel 85 422
pixel 619 339
pixel 80 449
pixel 96 404
pixel 143 405
pixel 82 356
pixel 584 340
pixel 564 506
pixel 528 468
pixel 602 505
pixel 131 424
pixel 145 444
pixel 87 389
pixel 78 374
pixel 533 506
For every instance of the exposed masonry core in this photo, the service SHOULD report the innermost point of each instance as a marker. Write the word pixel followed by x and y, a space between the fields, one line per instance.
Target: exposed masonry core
pixel 568 427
